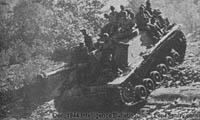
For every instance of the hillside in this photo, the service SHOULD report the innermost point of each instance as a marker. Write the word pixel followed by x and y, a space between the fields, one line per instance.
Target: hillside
pixel 36 37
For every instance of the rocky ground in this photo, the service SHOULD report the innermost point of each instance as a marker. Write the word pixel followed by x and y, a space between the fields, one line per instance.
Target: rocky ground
pixel 173 101
pixel 177 102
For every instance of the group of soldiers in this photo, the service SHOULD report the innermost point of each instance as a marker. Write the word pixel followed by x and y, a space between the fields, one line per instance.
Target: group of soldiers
pixel 118 21
pixel 151 21
pixel 146 19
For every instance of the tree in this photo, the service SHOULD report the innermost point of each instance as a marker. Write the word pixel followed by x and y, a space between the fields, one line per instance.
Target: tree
pixel 35 28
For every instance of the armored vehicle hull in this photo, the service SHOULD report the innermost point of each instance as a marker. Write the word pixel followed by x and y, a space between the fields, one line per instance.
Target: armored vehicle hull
pixel 145 74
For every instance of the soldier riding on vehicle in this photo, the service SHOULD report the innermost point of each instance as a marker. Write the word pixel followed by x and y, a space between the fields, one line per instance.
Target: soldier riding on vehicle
pixel 126 19
pixel 148 7
pixel 107 27
pixel 143 23
pixel 163 23
pixel 88 40
pixel 113 21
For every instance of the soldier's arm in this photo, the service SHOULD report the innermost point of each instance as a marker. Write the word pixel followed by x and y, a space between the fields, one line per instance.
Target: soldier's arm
pixel 148 14
pixel 131 13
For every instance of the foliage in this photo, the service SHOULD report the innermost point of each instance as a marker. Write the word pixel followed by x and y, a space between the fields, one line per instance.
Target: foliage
pixel 31 30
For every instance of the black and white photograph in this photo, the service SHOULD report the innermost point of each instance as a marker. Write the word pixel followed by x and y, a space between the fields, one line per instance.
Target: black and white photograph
pixel 99 59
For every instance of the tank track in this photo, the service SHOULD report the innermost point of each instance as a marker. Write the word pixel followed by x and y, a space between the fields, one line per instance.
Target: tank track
pixel 131 94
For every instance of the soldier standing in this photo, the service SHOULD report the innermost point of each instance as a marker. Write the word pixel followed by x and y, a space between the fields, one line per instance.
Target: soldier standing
pixel 141 19
pixel 122 9
pixel 88 40
pixel 113 20
pixel 113 14
pixel 107 28
pixel 123 22
pixel 148 7
pixel 106 49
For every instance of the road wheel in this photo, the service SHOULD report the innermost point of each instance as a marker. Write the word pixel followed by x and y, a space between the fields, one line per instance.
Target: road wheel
pixel 156 77
pixel 169 61
pixel 127 96
pixel 149 84
pixel 141 92
pixel 162 69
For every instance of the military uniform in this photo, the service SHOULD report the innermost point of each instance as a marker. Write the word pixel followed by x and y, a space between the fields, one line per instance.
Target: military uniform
pixel 126 19
pixel 141 20
pixel 159 19
pixel 148 7
pixel 131 15
pixel 88 40
pixel 121 13
pixel 108 27
pixel 81 54
pixel 113 17
pixel 113 20
pixel 127 22
pixel 143 23
pixel 123 21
